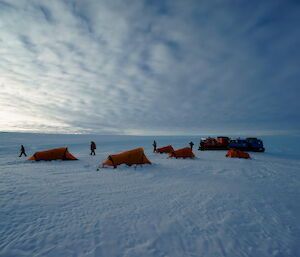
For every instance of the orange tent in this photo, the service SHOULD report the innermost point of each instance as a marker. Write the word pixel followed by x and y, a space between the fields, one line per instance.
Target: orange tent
pixel 183 153
pixel 135 156
pixel 166 149
pixel 53 154
pixel 234 153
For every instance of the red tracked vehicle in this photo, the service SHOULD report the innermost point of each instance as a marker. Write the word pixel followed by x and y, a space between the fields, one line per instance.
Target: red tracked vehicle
pixel 210 143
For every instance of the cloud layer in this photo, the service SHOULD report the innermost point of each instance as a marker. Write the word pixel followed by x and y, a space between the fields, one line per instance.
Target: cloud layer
pixel 147 67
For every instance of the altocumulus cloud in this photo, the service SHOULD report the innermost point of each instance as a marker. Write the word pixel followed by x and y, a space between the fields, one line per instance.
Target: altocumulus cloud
pixel 146 67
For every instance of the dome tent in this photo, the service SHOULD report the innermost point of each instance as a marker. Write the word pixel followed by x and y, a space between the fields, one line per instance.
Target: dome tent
pixel 61 153
pixel 165 149
pixel 235 153
pixel 135 156
pixel 185 152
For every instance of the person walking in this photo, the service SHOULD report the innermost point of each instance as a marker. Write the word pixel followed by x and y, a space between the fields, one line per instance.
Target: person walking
pixel 93 148
pixel 22 151
pixel 154 146
pixel 191 145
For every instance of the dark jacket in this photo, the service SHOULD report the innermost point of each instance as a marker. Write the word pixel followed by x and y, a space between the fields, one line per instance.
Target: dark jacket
pixel 93 146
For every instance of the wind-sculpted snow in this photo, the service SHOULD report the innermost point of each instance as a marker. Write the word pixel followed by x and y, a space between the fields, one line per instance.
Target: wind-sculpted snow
pixel 210 206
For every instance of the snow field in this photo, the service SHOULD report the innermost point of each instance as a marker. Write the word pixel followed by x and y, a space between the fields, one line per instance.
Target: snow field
pixel 209 206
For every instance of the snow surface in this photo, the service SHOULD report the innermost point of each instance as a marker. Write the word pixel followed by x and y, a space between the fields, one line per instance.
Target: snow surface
pixel 210 206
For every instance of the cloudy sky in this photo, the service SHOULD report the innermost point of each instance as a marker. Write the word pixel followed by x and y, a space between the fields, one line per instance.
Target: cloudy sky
pixel 150 66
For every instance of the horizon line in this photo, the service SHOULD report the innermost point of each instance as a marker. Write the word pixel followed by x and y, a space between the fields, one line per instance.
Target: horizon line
pixel 265 133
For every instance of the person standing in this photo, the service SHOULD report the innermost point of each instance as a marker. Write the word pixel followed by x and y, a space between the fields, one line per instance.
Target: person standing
pixel 200 145
pixel 22 151
pixel 154 146
pixel 93 148
pixel 191 145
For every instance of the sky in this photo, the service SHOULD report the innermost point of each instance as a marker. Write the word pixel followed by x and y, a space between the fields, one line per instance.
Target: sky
pixel 150 67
